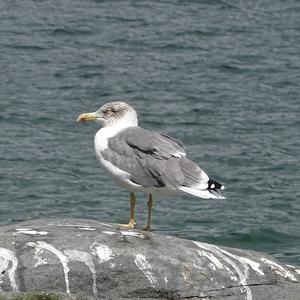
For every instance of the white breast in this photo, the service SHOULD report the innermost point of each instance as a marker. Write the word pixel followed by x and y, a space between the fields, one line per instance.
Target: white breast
pixel 121 177
pixel 101 143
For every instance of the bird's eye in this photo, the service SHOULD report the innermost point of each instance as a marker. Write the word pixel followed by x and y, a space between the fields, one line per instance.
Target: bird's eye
pixel 108 111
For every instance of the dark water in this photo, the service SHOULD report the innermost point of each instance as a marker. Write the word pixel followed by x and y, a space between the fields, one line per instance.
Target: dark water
pixel 223 76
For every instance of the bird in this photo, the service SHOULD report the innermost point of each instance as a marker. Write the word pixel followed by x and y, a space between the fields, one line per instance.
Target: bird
pixel 141 160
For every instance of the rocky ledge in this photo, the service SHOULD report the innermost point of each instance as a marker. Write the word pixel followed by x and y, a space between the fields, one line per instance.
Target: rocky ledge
pixel 84 259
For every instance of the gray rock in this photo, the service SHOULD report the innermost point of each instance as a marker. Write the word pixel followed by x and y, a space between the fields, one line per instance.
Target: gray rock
pixel 89 259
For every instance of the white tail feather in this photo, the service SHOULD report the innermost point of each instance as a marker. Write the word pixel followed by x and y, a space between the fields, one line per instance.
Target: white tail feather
pixel 201 193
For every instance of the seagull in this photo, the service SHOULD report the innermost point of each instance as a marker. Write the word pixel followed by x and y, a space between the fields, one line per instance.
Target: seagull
pixel 141 160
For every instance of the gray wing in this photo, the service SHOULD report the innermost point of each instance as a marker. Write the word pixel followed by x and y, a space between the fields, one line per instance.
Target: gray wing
pixel 152 159
pixel 159 145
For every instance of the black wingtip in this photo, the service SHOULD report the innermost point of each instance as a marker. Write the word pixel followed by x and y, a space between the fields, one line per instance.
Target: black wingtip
pixel 214 185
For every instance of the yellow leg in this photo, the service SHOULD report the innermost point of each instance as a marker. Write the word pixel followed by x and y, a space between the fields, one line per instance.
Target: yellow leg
pixel 150 205
pixel 131 223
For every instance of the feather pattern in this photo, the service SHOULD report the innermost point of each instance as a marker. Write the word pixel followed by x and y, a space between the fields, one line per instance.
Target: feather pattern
pixel 155 160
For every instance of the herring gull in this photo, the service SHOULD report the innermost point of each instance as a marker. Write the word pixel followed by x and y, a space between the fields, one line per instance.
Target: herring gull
pixel 141 160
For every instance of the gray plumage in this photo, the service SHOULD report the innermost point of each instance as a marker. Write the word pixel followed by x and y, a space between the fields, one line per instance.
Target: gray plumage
pixel 153 159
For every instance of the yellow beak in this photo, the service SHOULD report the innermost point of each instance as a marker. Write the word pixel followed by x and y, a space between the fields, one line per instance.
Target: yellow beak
pixel 86 117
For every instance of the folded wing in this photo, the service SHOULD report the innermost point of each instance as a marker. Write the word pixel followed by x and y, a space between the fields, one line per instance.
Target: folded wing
pixel 156 160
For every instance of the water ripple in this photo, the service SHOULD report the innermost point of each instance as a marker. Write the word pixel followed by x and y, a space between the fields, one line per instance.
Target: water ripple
pixel 221 75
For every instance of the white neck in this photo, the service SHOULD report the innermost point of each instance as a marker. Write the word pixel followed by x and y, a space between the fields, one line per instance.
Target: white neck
pixel 113 129
pixel 110 131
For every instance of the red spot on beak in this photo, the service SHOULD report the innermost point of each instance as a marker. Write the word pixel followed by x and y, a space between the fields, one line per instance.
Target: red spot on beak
pixel 81 119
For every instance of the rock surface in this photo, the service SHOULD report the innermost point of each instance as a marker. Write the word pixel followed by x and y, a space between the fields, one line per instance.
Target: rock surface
pixel 89 259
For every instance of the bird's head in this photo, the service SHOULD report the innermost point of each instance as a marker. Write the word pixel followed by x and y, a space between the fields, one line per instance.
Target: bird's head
pixel 112 113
